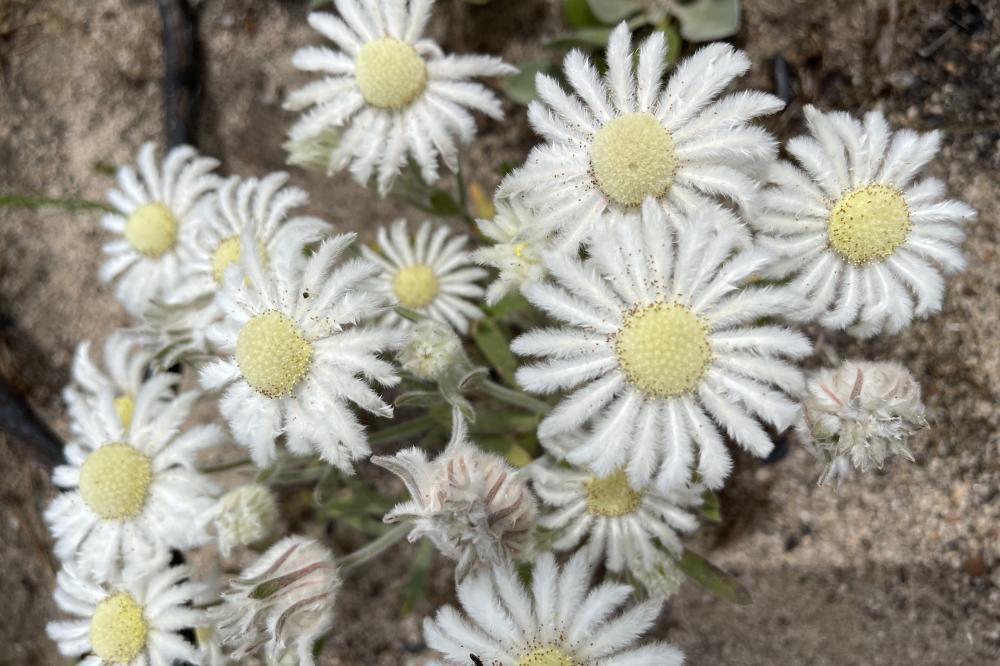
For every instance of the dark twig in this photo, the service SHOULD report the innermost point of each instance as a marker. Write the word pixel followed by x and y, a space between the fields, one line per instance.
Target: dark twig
pixel 181 73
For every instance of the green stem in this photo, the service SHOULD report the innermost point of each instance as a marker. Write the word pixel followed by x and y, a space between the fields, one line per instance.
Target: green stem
pixel 402 430
pixel 512 397
pixel 373 549
pixel 223 467
pixel 66 203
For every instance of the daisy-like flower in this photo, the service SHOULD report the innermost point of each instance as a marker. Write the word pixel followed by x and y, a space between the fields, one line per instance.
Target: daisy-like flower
pixel 395 94
pixel 125 362
pixel 516 253
pixel 861 240
pixel 661 336
pixel 624 137
pixel 155 216
pixel 135 620
pixel 262 208
pixel 559 621
pixel 472 505
pixel 283 602
pixel 431 274
pixel 295 355
pixel 859 415
pixel 625 528
pixel 131 493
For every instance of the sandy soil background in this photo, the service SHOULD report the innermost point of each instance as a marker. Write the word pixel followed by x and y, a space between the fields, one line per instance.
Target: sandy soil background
pixel 898 567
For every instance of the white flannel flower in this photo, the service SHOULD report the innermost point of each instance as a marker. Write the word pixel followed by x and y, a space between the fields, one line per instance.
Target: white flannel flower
pixel 295 355
pixel 660 338
pixel 858 238
pixel 156 214
pixel 516 253
pixel 132 493
pixel 859 415
pixel 625 528
pixel 474 507
pixel 432 273
pixel 624 137
pixel 125 363
pixel 393 93
pixel 133 621
pixel 282 603
pixel 559 621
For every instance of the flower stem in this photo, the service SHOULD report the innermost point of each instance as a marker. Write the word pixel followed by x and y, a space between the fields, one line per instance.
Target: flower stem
pixel 223 467
pixel 402 430
pixel 512 397
pixel 373 549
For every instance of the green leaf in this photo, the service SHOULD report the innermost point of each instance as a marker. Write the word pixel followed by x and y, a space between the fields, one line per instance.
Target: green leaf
pixel 508 305
pixel 713 579
pixel 414 587
pixel 613 11
pixel 710 507
pixel 496 348
pixel 582 37
pixel 405 430
pixel 442 204
pixel 316 4
pixel 673 41
pixel 418 399
pixel 521 86
pixel 708 20
pixel 578 14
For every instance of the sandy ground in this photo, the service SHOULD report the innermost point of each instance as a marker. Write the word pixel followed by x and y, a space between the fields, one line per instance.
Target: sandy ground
pixel 898 567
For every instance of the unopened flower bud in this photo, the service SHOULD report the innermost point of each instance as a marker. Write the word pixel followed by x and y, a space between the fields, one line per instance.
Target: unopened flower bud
pixel 244 516
pixel 431 348
pixel 284 601
pixel 859 415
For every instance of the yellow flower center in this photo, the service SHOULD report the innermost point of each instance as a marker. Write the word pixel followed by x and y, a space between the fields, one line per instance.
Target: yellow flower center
pixel 869 223
pixel 124 406
pixel 547 656
pixel 663 349
pixel 151 229
pixel 611 496
pixel 114 481
pixel 519 249
pixel 227 253
pixel 272 354
pixel 118 629
pixel 633 158
pixel 390 73
pixel 415 286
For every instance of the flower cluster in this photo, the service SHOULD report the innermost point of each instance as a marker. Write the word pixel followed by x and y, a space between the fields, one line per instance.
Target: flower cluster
pixel 650 261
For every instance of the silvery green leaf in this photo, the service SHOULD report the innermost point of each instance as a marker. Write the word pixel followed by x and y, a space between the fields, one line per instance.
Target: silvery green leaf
pixel 613 11
pixel 706 20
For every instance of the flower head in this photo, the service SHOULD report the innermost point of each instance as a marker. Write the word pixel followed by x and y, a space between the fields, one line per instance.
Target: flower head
pixel 660 338
pixel 135 620
pixel 431 348
pixel 623 138
pixel 155 216
pixel 472 505
pixel 283 601
pixel 559 621
pixel 859 415
pixel 295 354
pixel 516 253
pixel 862 241
pixel 244 516
pixel 625 528
pixel 431 274
pixel 393 93
pixel 131 493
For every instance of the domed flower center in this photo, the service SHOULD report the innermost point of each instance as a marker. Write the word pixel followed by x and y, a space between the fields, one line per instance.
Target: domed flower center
pixel 633 158
pixel 114 481
pixel 611 496
pixel 390 73
pixel 415 286
pixel 547 656
pixel 118 629
pixel 124 406
pixel 868 224
pixel 272 354
pixel 663 349
pixel 228 252
pixel 151 229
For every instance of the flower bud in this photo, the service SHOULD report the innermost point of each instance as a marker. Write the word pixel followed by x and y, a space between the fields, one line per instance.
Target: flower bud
pixel 244 516
pixel 431 348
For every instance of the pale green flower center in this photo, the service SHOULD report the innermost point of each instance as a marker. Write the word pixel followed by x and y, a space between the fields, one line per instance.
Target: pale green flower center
pixel 663 349
pixel 633 158
pixel 868 223
pixel 228 252
pixel 390 73
pixel 272 354
pixel 547 656
pixel 114 481
pixel 611 496
pixel 118 629
pixel 415 286
pixel 151 229
pixel 124 406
